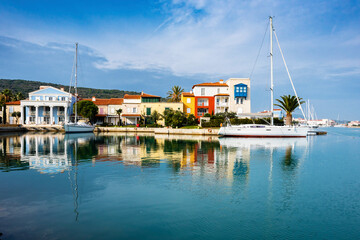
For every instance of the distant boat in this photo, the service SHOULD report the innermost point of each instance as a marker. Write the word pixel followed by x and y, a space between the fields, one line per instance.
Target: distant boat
pixel 259 130
pixel 77 127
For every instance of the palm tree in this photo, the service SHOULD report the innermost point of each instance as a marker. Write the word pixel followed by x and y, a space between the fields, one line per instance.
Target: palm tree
pixel 156 116
pixel 175 94
pixel 5 96
pixel 18 96
pixel 289 104
pixel 118 112
pixel 16 115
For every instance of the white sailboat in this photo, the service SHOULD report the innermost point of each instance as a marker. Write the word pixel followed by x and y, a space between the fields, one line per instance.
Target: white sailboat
pixel 260 130
pixel 77 127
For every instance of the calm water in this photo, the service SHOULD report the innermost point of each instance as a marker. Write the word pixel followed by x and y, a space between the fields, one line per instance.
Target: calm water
pixel 56 186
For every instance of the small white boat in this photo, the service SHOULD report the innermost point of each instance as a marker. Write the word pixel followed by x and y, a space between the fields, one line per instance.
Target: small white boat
pixel 77 127
pixel 263 131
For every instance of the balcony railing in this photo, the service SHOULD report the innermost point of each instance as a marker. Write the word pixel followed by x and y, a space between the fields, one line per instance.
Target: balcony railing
pixel 61 113
pixel 222 104
pixel 203 104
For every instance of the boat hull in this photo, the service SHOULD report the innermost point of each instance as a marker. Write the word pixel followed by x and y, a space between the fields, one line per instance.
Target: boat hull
pixel 78 128
pixel 263 131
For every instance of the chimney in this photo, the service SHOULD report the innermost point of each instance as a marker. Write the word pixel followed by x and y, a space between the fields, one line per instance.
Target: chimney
pixel 93 99
pixel 221 81
pixel 62 89
pixel 142 93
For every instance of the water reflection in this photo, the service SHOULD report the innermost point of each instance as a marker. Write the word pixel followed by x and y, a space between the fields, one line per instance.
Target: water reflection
pixel 225 157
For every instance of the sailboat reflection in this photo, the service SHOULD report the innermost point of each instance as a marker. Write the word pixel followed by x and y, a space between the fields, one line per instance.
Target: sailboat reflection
pixel 239 152
pixel 52 154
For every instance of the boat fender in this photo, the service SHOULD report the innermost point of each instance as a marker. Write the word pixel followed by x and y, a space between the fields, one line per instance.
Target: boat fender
pixel 209 130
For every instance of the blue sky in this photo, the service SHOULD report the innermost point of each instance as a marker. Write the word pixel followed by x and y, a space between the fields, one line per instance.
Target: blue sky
pixel 152 45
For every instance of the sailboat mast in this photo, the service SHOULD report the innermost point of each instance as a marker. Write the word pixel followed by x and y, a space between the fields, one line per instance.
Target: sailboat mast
pixel 271 72
pixel 76 94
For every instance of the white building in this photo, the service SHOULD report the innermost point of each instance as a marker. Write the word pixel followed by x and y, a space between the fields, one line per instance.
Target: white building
pixel 48 105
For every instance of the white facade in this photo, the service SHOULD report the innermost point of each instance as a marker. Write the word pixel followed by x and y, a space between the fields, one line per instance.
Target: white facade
pixel 209 90
pixel 239 104
pixel 48 105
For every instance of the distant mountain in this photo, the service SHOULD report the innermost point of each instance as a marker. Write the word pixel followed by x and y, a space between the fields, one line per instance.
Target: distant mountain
pixel 25 86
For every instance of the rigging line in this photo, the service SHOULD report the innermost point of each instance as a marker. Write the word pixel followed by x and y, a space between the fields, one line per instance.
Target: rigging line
pixel 257 57
pixel 72 76
pixel 287 70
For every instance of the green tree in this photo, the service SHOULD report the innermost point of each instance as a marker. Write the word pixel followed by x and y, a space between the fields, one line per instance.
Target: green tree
pixel 289 104
pixel 5 96
pixel 18 96
pixel 174 95
pixel 87 109
pixel 16 115
pixel 174 118
pixel 155 116
pixel 118 112
pixel 191 120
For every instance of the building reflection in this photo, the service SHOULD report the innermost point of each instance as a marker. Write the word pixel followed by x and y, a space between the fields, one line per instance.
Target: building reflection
pixel 225 158
pixel 54 153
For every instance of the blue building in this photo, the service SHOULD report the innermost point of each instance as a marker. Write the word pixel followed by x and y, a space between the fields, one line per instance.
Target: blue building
pixel 47 106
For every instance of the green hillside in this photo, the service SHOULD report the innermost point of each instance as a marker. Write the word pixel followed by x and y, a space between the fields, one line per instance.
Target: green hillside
pixel 25 86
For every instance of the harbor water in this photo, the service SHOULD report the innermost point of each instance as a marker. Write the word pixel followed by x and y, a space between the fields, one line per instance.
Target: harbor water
pixel 123 186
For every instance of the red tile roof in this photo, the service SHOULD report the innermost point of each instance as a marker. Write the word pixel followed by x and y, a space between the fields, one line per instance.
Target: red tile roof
pixel 148 95
pixel 216 84
pixel 187 94
pixel 98 101
pixel 116 101
pixel 13 103
pixel 127 96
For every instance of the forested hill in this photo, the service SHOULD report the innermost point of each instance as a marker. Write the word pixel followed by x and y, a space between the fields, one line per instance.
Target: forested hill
pixel 25 86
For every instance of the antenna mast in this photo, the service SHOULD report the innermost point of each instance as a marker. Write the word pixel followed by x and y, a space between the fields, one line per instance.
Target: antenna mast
pixel 76 94
pixel 271 72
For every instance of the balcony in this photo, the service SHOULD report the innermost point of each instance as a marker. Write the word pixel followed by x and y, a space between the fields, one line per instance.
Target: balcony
pixel 203 104
pixel 61 113
pixel 222 104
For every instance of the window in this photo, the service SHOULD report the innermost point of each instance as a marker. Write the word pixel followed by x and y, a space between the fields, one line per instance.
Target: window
pixel 237 89
pixel 134 110
pixel 218 90
pixel 51 98
pixel 226 100
pixel 11 109
pixel 202 91
pixel 148 111
pixel 202 111
pixel 167 108
pixel 239 100
pixel 188 110
pixel 150 99
pixel 188 100
pixel 128 110
pixel 203 102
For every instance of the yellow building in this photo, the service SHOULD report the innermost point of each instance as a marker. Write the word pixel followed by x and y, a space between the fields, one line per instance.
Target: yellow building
pixel 12 107
pixel 188 99
pixel 147 108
